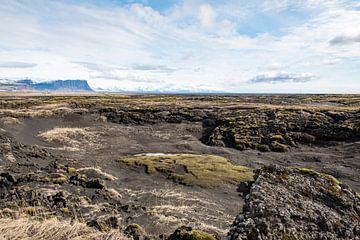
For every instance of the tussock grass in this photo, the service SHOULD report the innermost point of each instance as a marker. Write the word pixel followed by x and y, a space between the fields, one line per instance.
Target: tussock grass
pixel 192 169
pixel 54 229
pixel 72 138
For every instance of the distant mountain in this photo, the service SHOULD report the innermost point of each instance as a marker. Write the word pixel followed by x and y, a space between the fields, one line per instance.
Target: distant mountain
pixel 57 85
pixel 63 85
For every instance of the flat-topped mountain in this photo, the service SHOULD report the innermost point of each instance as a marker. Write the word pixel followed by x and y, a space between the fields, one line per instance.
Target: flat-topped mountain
pixel 56 85
pixel 63 85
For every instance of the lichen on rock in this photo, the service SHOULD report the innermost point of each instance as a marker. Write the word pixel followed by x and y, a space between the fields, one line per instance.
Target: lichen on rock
pixel 297 203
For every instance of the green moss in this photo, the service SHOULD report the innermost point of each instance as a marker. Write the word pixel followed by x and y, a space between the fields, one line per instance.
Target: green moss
pixel 57 178
pixel 333 179
pixel 187 233
pixel 305 170
pixel 329 177
pixel 71 170
pixel 64 210
pixel 81 178
pixel 190 169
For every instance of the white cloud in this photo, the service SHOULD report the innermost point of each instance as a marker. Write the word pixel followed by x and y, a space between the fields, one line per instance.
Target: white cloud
pixel 281 77
pixel 192 44
pixel 207 16
pixel 332 61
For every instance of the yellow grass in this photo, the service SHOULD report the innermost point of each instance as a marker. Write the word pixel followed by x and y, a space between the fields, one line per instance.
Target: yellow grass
pixel 52 229
pixel 72 138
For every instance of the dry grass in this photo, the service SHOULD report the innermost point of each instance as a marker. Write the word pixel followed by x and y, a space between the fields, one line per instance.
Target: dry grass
pixel 6 152
pixel 71 138
pixel 54 229
pixel 96 172
pixel 11 121
pixel 191 169
pixel 18 100
pixel 174 208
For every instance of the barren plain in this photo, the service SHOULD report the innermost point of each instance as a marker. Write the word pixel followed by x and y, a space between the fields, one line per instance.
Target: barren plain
pixel 112 166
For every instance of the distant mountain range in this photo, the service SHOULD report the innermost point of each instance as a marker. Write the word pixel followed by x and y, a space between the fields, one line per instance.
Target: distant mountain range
pixel 164 90
pixel 56 85
pixel 83 86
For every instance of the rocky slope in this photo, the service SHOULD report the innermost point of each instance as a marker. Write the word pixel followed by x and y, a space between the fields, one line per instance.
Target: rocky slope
pixel 297 203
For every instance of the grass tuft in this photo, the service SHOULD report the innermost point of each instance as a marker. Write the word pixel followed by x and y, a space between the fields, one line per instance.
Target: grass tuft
pixel 54 229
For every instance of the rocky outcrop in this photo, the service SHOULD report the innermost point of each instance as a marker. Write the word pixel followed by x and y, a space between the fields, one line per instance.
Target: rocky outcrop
pixel 265 130
pixel 296 203
pixel 188 233
pixel 280 129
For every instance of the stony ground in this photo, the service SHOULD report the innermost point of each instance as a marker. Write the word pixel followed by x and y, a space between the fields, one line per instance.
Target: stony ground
pixel 69 156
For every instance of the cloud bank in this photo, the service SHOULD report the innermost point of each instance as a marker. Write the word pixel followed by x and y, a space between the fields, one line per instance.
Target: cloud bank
pixel 345 39
pixel 17 65
pixel 283 77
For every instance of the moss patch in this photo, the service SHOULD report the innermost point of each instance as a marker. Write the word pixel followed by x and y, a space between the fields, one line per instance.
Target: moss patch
pixel 71 170
pixel 329 177
pixel 57 178
pixel 190 169
pixel 135 231
pixel 187 233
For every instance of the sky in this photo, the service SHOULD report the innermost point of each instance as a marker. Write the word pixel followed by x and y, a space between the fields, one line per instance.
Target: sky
pixel 239 46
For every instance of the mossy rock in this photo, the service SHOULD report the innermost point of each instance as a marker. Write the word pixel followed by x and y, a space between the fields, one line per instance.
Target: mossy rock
pixel 278 147
pixel 80 178
pixel 83 180
pixel 71 170
pixel 312 172
pixel 57 178
pixel 192 169
pixel 278 138
pixel 95 183
pixel 188 233
pixel 135 231
pixel 263 148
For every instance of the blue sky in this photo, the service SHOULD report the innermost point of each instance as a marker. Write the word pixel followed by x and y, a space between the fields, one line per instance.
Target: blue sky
pixel 278 46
